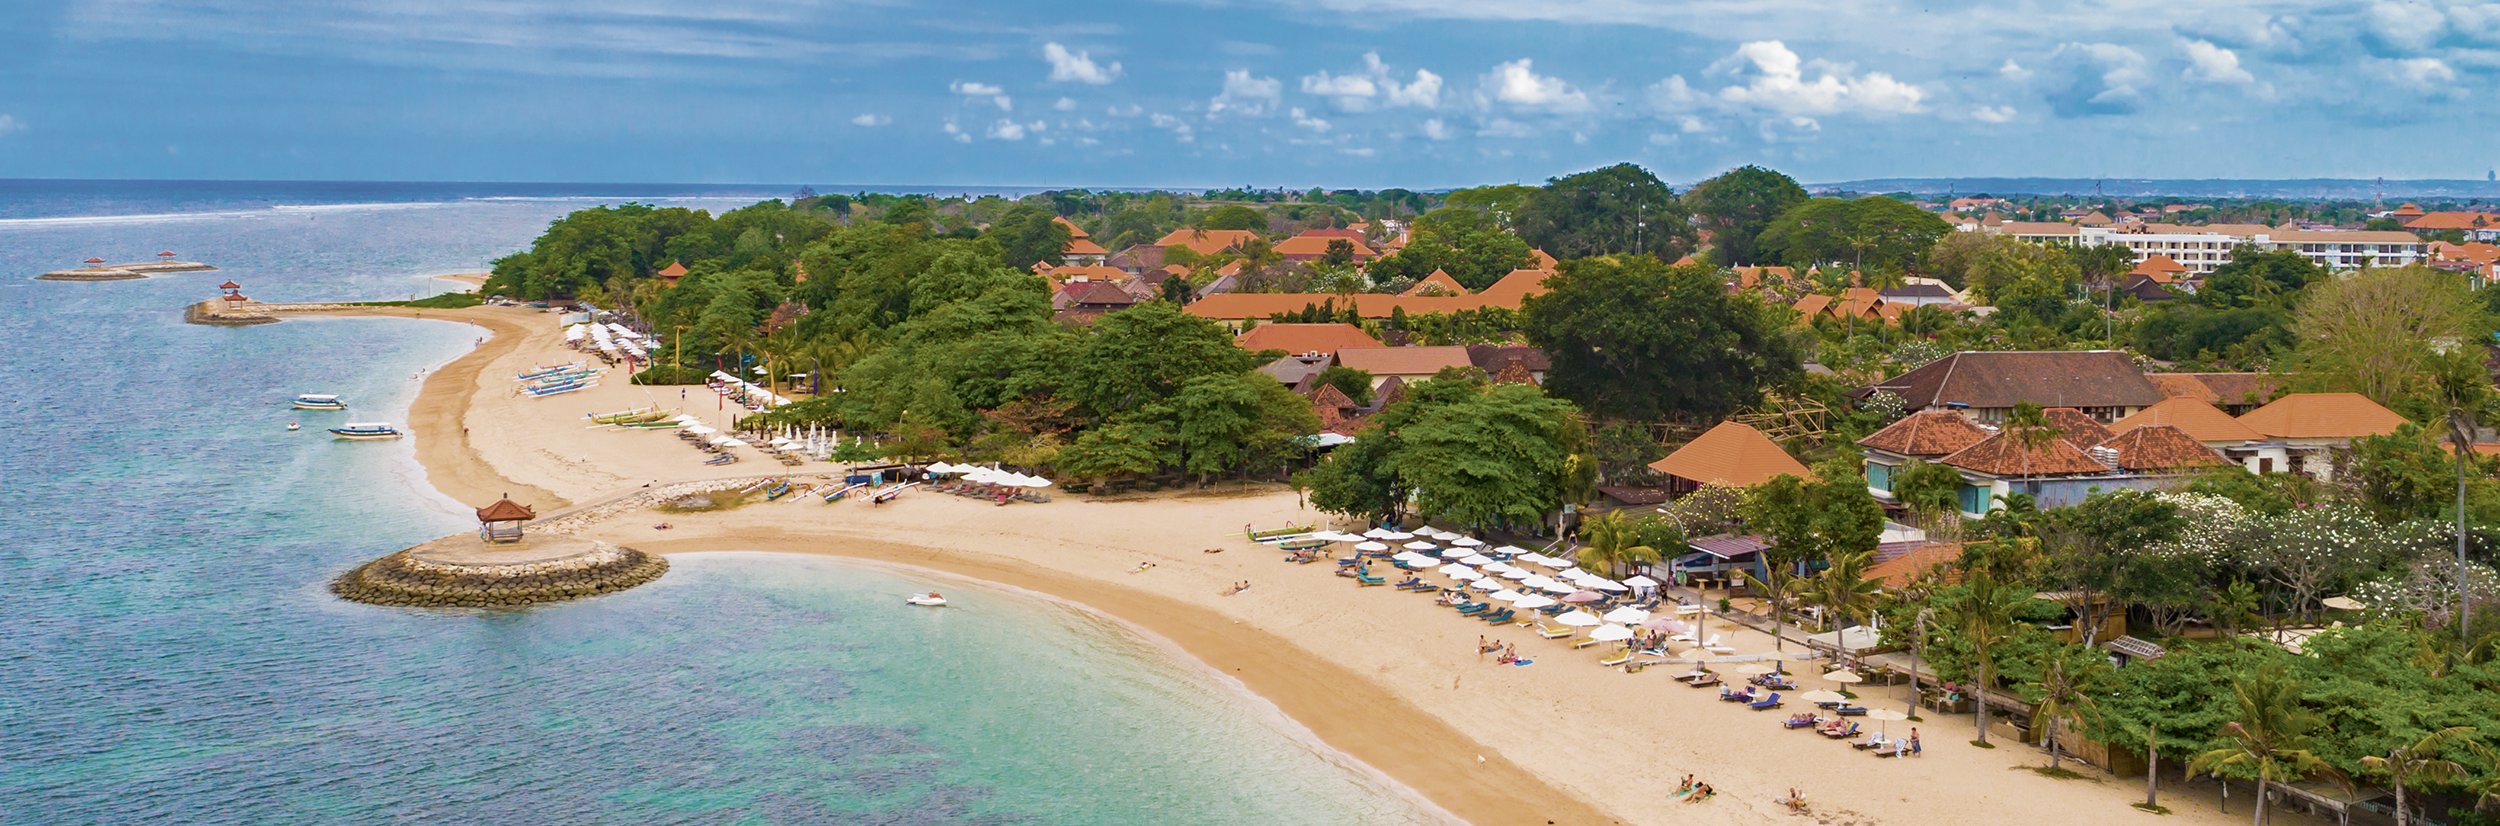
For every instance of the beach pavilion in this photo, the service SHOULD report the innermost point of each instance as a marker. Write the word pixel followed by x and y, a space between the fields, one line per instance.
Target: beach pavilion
pixel 501 522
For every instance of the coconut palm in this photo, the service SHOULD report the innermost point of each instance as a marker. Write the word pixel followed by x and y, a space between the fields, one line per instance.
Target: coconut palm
pixel 2030 428
pixel 2064 697
pixel 1984 618
pixel 1613 541
pixel 2271 737
pixel 2419 762
pixel 1843 591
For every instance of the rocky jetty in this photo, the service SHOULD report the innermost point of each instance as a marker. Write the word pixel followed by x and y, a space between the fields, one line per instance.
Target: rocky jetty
pixel 123 272
pixel 459 572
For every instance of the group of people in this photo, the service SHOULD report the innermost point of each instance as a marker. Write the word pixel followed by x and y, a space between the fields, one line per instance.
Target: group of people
pixel 1238 587
pixel 1508 653
pixel 1695 791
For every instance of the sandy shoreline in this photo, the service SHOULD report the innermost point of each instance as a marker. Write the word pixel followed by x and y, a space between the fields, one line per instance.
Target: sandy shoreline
pixel 1380 675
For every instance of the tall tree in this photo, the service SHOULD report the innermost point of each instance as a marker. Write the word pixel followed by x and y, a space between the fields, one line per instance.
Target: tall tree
pixel 1873 233
pixel 1611 541
pixel 1028 235
pixel 1736 206
pixel 1984 618
pixel 1843 591
pixel 1618 209
pixel 2379 332
pixel 2421 762
pixel 1637 339
pixel 2269 739
pixel 2065 694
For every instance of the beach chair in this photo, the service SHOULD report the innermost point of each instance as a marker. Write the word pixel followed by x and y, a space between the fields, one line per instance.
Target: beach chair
pixel 1616 660
pixel 1695 674
pixel 1728 696
pixel 1554 610
pixel 1897 747
pixel 1772 701
pixel 1368 581
pixel 1583 644
pixel 1706 681
pixel 1850 711
pixel 1553 632
pixel 1798 721
pixel 1871 742
pixel 1843 733
pixel 1472 609
pixel 1499 617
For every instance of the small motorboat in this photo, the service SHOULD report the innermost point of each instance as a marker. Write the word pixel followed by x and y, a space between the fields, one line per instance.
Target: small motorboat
pixel 294 426
pixel 366 431
pixel 317 401
pixel 930 599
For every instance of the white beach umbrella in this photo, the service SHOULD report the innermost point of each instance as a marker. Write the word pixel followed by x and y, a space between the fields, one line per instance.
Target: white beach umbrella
pixel 1553 586
pixel 1607 585
pixel 1641 582
pixel 1486 584
pixel 940 467
pixel 1513 550
pixel 1578 617
pixel 1844 677
pixel 700 430
pixel 1446 536
pixel 1420 545
pixel 1494 567
pixel 1370 546
pixel 1517 574
pixel 732 443
pixel 1534 601
pixel 1463 573
pixel 1823 695
pixel 1535 581
pixel 1475 559
pixel 1397 536
pixel 1508 595
pixel 1039 482
pixel 1467 542
pixel 1454 569
pixel 1378 533
pixel 1627 615
pixel 1455 553
pixel 1610 633
pixel 1337 536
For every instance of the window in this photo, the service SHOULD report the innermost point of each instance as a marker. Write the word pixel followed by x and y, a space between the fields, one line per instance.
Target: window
pixel 1975 498
pixel 1879 476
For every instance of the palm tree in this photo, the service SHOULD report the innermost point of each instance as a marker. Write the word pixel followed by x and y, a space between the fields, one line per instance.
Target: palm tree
pixel 1613 542
pixel 2420 762
pixel 1779 585
pixel 2031 429
pixel 1843 591
pixel 1984 618
pixel 2234 608
pixel 2064 697
pixel 2270 738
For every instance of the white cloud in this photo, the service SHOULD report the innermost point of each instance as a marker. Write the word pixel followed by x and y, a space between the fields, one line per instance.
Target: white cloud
pixel 2013 71
pixel 9 124
pixel 1374 86
pixel 1675 95
pixel 2406 26
pixel 996 95
pixel 1064 105
pixel 1992 114
pixel 2215 64
pixel 1181 130
pixel 2424 71
pixel 1008 130
pixel 1360 151
pixel 1436 130
pixel 958 132
pixel 1078 67
pixel 1129 111
pixel 2096 79
pixel 1775 79
pixel 1246 94
pixel 1304 120
pixel 1517 83
pixel 871 119
pixel 1505 128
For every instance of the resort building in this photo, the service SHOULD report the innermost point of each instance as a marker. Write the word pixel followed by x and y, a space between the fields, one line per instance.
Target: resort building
pixel 1730 454
pixel 2073 458
pixel 1410 364
pixel 1504 361
pixel 1313 245
pixel 2202 248
pixel 1080 250
pixel 1305 339
pixel 1986 385
pixel 2308 432
pixel 2476 226
pixel 1925 436
pixel 2234 393
pixel 1206 242
pixel 1239 309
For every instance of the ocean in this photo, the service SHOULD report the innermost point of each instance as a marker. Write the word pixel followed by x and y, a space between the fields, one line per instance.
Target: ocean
pixel 168 652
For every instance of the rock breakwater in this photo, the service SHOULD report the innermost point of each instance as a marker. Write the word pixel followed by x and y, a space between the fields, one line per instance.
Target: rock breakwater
pixel 425 577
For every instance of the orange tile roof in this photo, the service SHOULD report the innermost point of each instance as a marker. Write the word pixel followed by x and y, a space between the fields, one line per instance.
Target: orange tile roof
pixel 2218 388
pixel 1095 272
pixel 1901 570
pixel 2075 427
pixel 1812 306
pixel 2407 211
pixel 2479 252
pixel 1305 338
pixel 2322 416
pixel 1541 260
pixel 1750 277
pixel 2196 417
pixel 1206 241
pixel 2454 220
pixel 1438 283
pixel 1926 433
pixel 505 510
pixel 673 270
pixel 2005 455
pixel 1403 361
pixel 2161 447
pixel 1308 245
pixel 1074 231
pixel 1081 246
pixel 1730 454
pixel 2159 263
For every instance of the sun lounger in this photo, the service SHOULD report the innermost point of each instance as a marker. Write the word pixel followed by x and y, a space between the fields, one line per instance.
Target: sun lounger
pixel 1368 581
pixel 1473 608
pixel 1692 675
pixel 1873 742
pixel 1897 748
pixel 1798 721
pixel 1499 617
pixel 1843 733
pixel 1706 681
pixel 1772 701
pixel 1554 632
pixel 1850 711
pixel 1584 643
pixel 1617 659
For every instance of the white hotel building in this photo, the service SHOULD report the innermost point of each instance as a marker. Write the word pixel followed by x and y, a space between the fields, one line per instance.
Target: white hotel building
pixel 2202 248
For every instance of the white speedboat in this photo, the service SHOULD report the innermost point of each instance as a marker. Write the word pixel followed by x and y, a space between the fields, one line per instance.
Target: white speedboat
pixel 366 431
pixel 317 401
pixel 930 599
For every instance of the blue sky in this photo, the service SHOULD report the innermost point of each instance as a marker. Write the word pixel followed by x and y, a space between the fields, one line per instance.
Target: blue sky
pixel 1422 93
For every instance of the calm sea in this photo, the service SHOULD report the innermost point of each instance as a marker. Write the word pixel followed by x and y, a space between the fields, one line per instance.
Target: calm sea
pixel 168 653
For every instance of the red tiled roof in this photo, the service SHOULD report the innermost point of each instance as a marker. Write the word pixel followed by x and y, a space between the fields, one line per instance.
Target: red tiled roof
pixel 2197 418
pixel 1438 283
pixel 2322 416
pixel 1507 293
pixel 1206 241
pixel 1926 433
pixel 2075 427
pixel 1403 361
pixel 1307 245
pixel 1096 272
pixel 1901 570
pixel 2005 455
pixel 1074 231
pixel 2161 447
pixel 1098 293
pixel 1305 338
pixel 1730 454
pixel 1083 246
pixel 2001 379
pixel 505 510
pixel 2454 220
pixel 2218 388
pixel 673 270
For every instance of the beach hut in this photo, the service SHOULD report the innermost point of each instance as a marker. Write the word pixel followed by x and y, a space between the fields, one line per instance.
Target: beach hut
pixel 501 522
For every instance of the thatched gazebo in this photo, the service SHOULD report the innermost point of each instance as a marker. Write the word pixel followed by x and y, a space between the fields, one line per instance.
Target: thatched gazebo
pixel 501 522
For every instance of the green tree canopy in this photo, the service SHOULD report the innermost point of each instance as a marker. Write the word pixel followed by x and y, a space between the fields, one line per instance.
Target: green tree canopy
pixel 1873 233
pixel 1637 339
pixel 1618 209
pixel 1737 206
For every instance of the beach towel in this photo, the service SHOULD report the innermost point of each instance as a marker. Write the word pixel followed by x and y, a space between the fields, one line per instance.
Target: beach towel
pixel 1521 662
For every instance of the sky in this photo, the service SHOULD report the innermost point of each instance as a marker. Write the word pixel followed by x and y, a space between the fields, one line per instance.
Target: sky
pixel 1212 93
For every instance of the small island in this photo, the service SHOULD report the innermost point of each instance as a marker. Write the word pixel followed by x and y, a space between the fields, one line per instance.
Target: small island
pixel 498 567
pixel 97 270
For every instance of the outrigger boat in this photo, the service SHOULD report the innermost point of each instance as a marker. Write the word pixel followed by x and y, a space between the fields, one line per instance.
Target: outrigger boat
pixel 557 370
pixel 366 431
pixel 639 415
pixel 555 389
pixel 317 401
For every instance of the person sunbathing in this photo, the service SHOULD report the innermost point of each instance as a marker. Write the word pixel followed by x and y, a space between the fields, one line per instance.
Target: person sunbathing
pixel 1796 801
pixel 1686 787
pixel 1700 790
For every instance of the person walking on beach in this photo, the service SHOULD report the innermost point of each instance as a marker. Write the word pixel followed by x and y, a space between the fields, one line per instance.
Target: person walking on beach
pixel 1481 647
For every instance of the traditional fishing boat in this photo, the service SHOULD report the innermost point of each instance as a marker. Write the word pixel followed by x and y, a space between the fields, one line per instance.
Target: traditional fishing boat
pixel 366 431
pixel 556 389
pixel 557 370
pixel 317 401
pixel 635 416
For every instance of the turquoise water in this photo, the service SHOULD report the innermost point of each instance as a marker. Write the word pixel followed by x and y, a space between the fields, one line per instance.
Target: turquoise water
pixel 170 655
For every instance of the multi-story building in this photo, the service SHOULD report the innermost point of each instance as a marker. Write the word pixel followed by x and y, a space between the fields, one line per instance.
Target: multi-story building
pixel 2202 248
